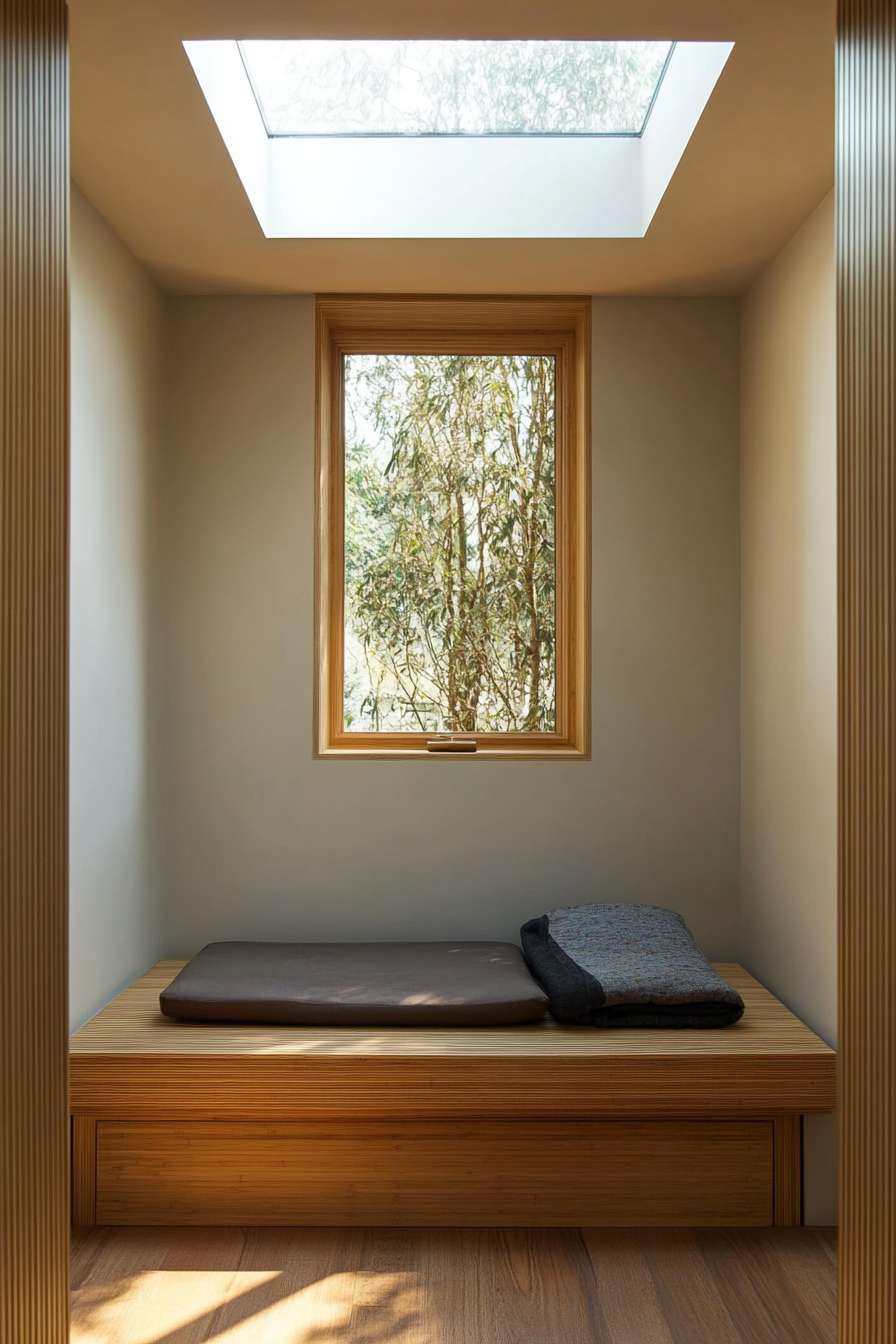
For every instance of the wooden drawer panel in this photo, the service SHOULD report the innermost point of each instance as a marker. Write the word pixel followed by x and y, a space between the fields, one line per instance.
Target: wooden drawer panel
pixel 437 1173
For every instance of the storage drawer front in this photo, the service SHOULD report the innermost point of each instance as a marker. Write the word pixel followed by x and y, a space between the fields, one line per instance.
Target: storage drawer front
pixel 436 1173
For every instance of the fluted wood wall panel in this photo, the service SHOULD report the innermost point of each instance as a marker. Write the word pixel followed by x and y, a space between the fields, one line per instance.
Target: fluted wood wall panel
pixel 33 670
pixel 866 262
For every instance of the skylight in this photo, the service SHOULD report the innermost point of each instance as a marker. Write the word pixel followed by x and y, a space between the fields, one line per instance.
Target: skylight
pixel 442 88
pixel 456 139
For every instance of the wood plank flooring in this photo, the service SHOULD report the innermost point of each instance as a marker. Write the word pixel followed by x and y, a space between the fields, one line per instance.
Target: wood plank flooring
pixel 453 1286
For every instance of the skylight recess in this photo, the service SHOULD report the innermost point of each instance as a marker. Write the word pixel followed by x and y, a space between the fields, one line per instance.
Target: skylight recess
pixel 454 88
pixel 473 153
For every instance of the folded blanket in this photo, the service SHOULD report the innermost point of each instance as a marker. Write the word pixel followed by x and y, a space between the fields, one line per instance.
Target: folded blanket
pixel 616 965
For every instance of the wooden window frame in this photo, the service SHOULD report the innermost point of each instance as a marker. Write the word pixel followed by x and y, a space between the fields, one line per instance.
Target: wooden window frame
pixel 360 324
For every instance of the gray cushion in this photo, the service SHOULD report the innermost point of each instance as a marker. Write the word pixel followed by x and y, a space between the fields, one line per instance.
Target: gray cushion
pixel 611 964
pixel 357 984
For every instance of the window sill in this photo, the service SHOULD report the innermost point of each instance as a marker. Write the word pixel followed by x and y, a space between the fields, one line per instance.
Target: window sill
pixel 556 749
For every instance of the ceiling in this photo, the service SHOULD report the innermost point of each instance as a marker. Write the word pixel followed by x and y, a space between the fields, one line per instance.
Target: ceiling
pixel 147 153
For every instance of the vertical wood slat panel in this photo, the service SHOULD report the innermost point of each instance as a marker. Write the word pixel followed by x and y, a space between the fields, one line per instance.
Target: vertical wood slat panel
pixel 866 286
pixel 33 670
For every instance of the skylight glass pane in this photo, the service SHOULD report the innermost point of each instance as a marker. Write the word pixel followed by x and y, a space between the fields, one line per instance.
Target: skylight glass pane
pixel 455 87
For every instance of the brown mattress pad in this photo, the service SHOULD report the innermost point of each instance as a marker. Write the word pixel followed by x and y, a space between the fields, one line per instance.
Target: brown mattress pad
pixel 357 984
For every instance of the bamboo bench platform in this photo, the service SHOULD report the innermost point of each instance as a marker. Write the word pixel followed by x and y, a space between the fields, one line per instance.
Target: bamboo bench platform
pixel 547 1124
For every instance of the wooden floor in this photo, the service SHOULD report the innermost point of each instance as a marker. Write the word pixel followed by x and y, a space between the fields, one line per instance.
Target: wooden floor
pixel 453 1286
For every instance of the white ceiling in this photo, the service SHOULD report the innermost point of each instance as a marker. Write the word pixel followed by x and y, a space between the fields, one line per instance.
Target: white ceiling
pixel 147 153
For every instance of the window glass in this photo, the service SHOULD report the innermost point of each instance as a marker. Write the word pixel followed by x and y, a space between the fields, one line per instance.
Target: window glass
pixel 449 543
pixel 454 87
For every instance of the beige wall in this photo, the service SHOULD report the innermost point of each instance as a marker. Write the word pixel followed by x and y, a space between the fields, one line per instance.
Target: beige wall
pixel 266 843
pixel 789 649
pixel 118 338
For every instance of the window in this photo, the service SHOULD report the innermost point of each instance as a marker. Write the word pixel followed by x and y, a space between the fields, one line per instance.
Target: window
pixel 453 546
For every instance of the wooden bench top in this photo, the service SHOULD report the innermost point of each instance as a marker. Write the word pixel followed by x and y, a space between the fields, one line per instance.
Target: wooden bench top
pixel 131 1060
pixel 132 1024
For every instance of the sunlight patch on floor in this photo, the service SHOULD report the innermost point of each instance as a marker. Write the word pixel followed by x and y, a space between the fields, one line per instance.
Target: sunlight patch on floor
pixel 238 1307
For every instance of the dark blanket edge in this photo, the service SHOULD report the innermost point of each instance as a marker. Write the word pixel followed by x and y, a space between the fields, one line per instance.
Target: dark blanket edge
pixel 572 991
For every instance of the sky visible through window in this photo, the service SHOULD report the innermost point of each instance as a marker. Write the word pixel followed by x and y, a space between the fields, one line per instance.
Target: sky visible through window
pixel 411 87
pixel 449 543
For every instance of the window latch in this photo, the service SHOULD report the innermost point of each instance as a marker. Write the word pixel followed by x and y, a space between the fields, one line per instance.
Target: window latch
pixel 448 742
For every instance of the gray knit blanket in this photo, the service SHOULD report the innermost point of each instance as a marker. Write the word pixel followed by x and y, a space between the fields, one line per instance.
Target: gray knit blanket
pixel 615 965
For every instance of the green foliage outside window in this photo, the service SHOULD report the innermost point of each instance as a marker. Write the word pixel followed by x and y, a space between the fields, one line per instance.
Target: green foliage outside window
pixel 449 543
